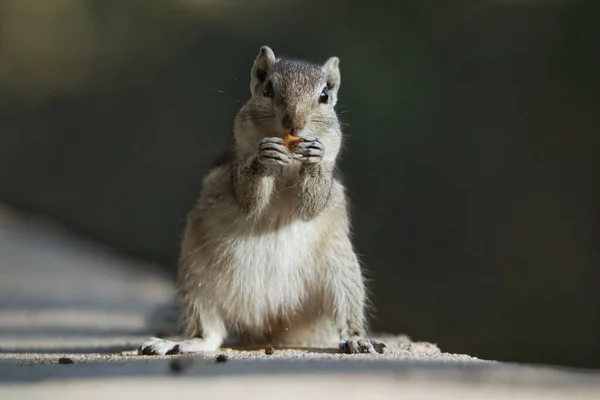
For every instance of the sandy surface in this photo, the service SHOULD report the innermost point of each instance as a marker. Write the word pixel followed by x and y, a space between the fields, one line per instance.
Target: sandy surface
pixel 62 297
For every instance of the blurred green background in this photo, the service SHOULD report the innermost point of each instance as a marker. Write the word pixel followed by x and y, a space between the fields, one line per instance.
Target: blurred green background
pixel 473 133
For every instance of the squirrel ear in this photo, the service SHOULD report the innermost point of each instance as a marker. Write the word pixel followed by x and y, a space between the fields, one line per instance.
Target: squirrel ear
pixel 332 72
pixel 263 64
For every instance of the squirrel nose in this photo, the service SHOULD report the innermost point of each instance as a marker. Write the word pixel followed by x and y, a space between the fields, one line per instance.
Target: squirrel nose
pixel 293 124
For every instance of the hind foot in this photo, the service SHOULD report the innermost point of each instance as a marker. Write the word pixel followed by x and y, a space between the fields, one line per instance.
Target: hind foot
pixel 358 345
pixel 161 347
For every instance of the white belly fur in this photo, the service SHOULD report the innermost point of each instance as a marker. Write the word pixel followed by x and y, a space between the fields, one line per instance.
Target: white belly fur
pixel 270 273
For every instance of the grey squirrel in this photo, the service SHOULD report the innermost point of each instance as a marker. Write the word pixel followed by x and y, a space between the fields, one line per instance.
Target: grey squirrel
pixel 266 253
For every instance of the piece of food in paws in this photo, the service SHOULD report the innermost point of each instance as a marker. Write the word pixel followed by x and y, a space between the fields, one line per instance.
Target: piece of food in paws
pixel 290 140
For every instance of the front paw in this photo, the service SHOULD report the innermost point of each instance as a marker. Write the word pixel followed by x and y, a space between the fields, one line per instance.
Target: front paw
pixel 359 345
pixel 272 151
pixel 309 151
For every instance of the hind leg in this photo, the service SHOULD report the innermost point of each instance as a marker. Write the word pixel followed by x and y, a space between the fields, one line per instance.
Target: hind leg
pixel 347 297
pixel 205 331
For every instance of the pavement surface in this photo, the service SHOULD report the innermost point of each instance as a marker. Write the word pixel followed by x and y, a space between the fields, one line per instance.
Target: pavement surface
pixel 72 315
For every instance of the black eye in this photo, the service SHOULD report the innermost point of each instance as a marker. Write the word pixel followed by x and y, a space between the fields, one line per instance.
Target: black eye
pixel 324 96
pixel 269 92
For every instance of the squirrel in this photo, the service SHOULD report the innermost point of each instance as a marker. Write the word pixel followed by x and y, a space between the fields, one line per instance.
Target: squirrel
pixel 266 252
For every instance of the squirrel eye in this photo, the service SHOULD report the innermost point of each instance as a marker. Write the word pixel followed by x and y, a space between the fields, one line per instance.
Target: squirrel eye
pixel 269 92
pixel 324 96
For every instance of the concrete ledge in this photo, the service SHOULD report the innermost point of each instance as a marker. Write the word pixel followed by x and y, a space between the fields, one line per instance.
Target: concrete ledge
pixel 61 297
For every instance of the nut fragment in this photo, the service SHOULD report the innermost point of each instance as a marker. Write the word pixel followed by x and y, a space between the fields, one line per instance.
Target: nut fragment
pixel 269 351
pixel 290 140
pixel 65 360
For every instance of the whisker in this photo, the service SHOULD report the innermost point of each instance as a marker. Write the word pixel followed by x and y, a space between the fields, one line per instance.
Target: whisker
pixel 216 90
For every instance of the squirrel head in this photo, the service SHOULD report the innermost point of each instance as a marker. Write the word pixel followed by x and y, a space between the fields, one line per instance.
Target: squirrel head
pixel 290 96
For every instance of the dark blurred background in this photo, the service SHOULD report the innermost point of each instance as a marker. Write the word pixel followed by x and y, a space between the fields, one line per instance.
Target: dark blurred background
pixel 473 129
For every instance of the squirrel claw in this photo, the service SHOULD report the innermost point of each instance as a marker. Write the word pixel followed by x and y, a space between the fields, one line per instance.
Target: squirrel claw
pixel 358 345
